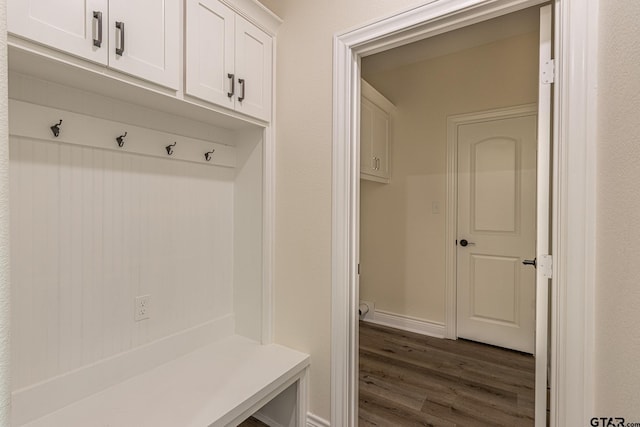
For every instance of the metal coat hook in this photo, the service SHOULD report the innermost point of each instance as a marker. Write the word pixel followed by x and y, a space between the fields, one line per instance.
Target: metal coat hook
pixel 170 148
pixel 207 155
pixel 56 128
pixel 120 140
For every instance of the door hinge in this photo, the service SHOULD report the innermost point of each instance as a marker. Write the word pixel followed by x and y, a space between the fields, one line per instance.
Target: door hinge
pixel 545 264
pixel 548 72
pixel 358 268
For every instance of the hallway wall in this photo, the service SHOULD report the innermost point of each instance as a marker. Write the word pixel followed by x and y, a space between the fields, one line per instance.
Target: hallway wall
pixel 617 340
pixel 303 174
pixel 402 233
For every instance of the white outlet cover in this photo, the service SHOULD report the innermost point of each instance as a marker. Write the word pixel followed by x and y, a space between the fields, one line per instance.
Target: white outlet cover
pixel 142 307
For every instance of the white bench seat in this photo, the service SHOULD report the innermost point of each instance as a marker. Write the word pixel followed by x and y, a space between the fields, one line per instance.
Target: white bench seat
pixel 217 385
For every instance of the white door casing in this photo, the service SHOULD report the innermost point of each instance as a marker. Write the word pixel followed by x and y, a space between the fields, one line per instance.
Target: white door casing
pixel 573 189
pixel 496 215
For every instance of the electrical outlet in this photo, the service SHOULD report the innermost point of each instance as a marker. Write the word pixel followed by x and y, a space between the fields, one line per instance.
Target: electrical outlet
pixel 368 310
pixel 142 307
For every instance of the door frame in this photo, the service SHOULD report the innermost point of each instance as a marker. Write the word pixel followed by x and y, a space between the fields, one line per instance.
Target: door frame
pixel 451 227
pixel 573 191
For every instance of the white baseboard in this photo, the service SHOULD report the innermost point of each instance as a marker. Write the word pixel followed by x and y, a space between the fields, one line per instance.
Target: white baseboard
pixel 40 399
pixel 406 323
pixel 315 421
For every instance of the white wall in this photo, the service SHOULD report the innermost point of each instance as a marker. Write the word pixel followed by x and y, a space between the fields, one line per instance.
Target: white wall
pixel 402 240
pixel 92 229
pixel 303 181
pixel 618 239
pixel 5 294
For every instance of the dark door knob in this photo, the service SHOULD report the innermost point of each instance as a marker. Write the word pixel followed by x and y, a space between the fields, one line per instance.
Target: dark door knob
pixel 465 242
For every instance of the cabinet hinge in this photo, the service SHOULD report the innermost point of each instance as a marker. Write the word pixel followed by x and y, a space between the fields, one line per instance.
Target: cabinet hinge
pixel 548 72
pixel 545 264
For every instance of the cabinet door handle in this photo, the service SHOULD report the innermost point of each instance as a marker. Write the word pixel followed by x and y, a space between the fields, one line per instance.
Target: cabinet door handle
pixel 244 87
pixel 233 84
pixel 97 42
pixel 373 163
pixel 377 163
pixel 120 26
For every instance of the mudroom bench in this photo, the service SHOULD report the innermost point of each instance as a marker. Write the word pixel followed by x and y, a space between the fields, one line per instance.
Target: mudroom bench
pixel 220 384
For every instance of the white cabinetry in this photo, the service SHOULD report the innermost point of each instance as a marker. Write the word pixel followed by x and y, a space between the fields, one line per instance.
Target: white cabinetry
pixel 228 59
pixel 144 39
pixel 145 44
pixel 375 134
pixel 66 25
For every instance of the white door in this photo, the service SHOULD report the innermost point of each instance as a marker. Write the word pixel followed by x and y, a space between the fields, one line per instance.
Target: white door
pixel 144 39
pixel 497 231
pixel 544 267
pixel 77 27
pixel 210 56
pixel 253 70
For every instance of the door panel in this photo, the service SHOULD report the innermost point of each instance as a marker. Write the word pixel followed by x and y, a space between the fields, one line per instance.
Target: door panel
pixel 66 25
pixel 366 135
pixel 494 166
pixel 254 68
pixel 496 289
pixel 151 39
pixel 210 51
pixel 543 205
pixel 496 214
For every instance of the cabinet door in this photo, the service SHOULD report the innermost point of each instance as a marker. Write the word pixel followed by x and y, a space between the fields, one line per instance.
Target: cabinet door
pixel 210 44
pixel 367 162
pixel 253 70
pixel 380 142
pixel 66 25
pixel 144 39
pixel 374 142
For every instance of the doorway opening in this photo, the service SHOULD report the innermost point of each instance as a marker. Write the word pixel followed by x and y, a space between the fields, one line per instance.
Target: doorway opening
pixel 573 184
pixel 465 105
pixel 573 191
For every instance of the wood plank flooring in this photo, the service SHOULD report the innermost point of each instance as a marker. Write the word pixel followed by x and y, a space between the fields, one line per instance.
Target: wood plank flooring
pixel 252 422
pixel 409 379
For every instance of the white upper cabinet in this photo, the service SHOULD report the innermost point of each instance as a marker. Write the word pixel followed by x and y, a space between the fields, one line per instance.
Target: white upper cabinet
pixel 145 43
pixel 210 57
pixel 73 26
pixel 253 70
pixel 229 60
pixel 144 39
pixel 376 113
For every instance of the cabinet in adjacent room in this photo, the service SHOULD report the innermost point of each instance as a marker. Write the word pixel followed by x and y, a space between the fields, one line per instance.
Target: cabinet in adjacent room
pixel 375 134
pixel 141 37
pixel 228 59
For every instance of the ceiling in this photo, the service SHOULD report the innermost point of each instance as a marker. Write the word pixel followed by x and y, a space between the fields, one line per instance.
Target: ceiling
pixel 503 27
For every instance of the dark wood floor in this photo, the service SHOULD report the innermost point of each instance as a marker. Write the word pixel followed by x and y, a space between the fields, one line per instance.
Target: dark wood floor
pixel 252 422
pixel 409 379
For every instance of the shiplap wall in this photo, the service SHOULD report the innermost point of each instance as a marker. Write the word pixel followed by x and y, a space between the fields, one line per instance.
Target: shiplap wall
pixel 91 229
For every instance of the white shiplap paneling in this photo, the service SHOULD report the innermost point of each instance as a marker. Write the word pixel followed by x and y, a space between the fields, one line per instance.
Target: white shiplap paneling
pixel 90 230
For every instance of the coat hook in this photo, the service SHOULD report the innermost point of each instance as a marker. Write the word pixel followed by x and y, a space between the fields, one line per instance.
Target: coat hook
pixel 56 128
pixel 207 155
pixel 170 148
pixel 120 140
